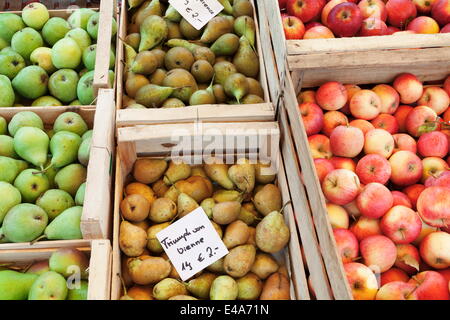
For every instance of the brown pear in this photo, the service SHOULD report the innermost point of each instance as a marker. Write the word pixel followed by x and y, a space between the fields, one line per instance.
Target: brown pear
pixel 174 31
pixel 243 175
pixel 250 287
pixel 204 53
pixel 142 189
pixel 236 234
pixel 158 77
pixel 160 188
pixel 178 57
pixel 255 88
pixel 268 199
pixel 242 8
pixel 248 213
pixel 137 292
pixel 145 63
pixel 133 40
pixel 202 71
pixel 183 82
pixel 239 260
pixel 135 208
pixel 135 82
pixel 217 267
pixel 173 103
pixel 222 70
pixel 227 195
pixel 276 287
pixel 265 173
pixel 236 86
pixel 144 225
pixel 215 28
pixel 251 236
pixel 132 239
pixel 177 170
pixel 125 272
pixel 219 93
pixel 252 99
pixel 188 31
pixel 226 212
pixel 149 170
pixel 146 270
pixel 246 59
pixel 160 55
pixel 264 265
pixel 200 286
pixel 152 242
pixel 218 172
pixel 198 171
pixel 172 194
pixel 185 205
pixel 162 210
pixel 196 187
pixel 148 8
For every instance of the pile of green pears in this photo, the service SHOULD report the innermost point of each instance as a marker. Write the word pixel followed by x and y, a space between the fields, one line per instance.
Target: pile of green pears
pixel 62 277
pixel 170 64
pixel 49 61
pixel 42 177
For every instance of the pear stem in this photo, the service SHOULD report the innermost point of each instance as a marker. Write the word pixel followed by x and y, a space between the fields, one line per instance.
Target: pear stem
pixel 285 205
pixel 38 239
pixel 44 170
pixel 123 284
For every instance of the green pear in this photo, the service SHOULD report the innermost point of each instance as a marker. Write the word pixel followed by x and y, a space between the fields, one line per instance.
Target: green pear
pixel 154 31
pixel 224 288
pixel 66 54
pixel 236 86
pixel 9 24
pixel 84 152
pixel 72 122
pixel 35 15
pixel 80 17
pixel 3 125
pixel 70 178
pixel 3 238
pixel 54 202
pixel 81 37
pixel 218 172
pixel 215 28
pixel 42 57
pixel 55 29
pixel 7 147
pixel 25 41
pixel 152 95
pixel 173 43
pixel 147 9
pixel 31 82
pixel 87 134
pixel 168 288
pixel 146 62
pixel 272 233
pixel 31 184
pixel 10 198
pixel 89 56
pixel 31 144
pixel 79 197
pixel 80 293
pixel 222 71
pixel 246 59
pixel 49 286
pixel 134 3
pixel 50 172
pixel 15 285
pixel 64 147
pixel 64 260
pixel 46 101
pixel 93 24
pixel 185 205
pixel 66 226
pixel 7 96
pixel 85 90
pixel 10 168
pixel 172 15
pixel 11 63
pixel 24 119
pixel 201 286
pixel 39 268
pixel 226 45
pixel 245 26
pixel 75 102
pixel 63 85
pixel 4 44
pixel 24 222
pixel 243 175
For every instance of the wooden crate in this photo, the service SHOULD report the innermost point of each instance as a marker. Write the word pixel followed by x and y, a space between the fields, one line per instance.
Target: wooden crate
pixel 9 5
pixel 96 218
pixel 99 264
pixel 155 141
pixel 208 113
pixel 103 47
pixel 345 56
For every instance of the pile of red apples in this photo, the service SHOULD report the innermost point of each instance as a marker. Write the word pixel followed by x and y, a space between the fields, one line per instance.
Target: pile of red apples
pixel 322 19
pixel 381 154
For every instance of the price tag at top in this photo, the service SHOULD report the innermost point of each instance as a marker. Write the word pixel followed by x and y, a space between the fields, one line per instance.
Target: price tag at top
pixel 192 243
pixel 197 12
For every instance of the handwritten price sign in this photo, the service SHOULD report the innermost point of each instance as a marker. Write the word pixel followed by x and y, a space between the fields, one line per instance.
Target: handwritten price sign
pixel 197 12
pixel 192 243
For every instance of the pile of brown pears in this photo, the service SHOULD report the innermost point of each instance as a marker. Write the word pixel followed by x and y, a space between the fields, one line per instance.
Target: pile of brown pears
pixel 243 204
pixel 170 64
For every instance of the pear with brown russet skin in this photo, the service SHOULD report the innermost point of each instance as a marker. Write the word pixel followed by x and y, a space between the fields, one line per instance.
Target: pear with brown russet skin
pixel 202 71
pixel 236 86
pixel 222 195
pixel 134 83
pixel 146 10
pixel 153 96
pixel 226 45
pixel 215 28
pixel 149 170
pixel 252 99
pixel 160 188
pixel 204 53
pixel 158 77
pixel 145 63
pixel 198 188
pixel 135 208
pixel 183 83
pixel 236 234
pixel 242 8
pixel 248 213
pixel 188 31
pixel 246 59
pixel 173 103
pixel 255 88
pixel 222 71
pixel 245 26
pixel 276 287
pixel 178 57
pixel 154 31
pixel 219 93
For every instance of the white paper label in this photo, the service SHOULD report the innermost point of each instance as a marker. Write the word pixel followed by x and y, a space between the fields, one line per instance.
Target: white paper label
pixel 192 243
pixel 197 12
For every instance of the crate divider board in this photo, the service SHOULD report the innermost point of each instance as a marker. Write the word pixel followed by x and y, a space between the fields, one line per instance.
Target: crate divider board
pixel 209 113
pixel 144 141
pixel 99 264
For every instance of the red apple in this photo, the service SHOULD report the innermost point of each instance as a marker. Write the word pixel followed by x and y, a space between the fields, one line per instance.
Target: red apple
pixel 379 141
pixel 401 224
pixel 352 210
pixel 408 258
pixel 347 244
pixel 445 273
pixel 424 6
pixel 393 274
pixel 323 167
pixel 373 168
pixel 433 167
pixel 343 163
pixel 430 286
pixel 362 281
pixel 420 120
pixel 320 146
pixel 423 24
pixel 406 168
pixel 404 141
pixel 305 10
pixel 401 114
pixel 387 122
pixel 341 186
pixel 346 141
pixel 331 120
pixel 372 27
pixel 331 96
pixel 337 216
pixel 392 30
pixel 293 28
pixel 345 19
pixel 390 99
pixel 426 230
pixel 306 96
pixel 327 9
pixel 401 199
pixel 374 200
pixel 379 253
pixel 446 28
pixel 397 290
pixel 408 86
pixel 312 116
pixel 441 12
pixel 313 24
pixel 441 180
pixel 433 144
pixel 318 32
pixel 400 12
pixel 433 206
pixel 436 98
pixel 365 227
pixel 413 192
pixel 364 125
pixel 365 104
pixel 282 4
pixel 373 9
pixel 435 250
pixel 447 85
